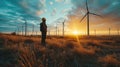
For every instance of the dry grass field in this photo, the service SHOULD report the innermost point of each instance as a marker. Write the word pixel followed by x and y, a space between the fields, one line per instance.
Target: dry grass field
pixel 93 51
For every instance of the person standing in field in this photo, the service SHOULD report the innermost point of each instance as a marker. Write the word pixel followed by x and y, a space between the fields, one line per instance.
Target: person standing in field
pixel 43 29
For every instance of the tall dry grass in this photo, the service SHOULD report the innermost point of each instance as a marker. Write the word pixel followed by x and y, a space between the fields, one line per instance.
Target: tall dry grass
pixel 67 52
pixel 109 61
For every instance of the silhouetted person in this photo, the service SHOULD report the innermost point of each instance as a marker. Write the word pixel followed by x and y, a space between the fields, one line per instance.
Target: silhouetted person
pixel 43 29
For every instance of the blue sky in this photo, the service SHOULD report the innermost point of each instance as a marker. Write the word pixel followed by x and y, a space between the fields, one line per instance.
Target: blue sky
pixel 13 12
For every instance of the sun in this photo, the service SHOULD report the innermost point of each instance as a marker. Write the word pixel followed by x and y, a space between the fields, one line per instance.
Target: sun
pixel 75 32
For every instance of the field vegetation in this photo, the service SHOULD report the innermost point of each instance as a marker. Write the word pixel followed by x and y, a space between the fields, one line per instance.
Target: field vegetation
pixel 83 51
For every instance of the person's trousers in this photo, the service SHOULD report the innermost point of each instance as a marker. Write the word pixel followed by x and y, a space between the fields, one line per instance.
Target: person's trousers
pixel 43 42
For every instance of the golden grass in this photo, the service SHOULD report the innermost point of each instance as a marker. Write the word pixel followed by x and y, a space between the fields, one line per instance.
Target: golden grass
pixel 59 52
pixel 109 60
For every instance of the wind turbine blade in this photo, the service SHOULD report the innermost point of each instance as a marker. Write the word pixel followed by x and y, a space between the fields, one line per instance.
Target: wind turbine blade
pixel 96 14
pixel 83 17
pixel 87 5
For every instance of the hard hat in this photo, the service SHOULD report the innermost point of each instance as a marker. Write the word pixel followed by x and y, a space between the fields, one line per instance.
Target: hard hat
pixel 43 19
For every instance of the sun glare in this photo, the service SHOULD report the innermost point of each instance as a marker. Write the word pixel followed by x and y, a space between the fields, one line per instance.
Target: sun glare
pixel 75 32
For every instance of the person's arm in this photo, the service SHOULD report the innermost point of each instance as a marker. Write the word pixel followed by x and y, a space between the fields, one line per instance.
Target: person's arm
pixel 41 26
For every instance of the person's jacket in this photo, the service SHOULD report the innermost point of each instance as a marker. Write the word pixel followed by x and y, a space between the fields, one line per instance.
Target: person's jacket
pixel 43 27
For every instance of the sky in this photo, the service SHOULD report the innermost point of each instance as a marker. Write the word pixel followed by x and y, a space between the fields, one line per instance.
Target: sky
pixel 13 14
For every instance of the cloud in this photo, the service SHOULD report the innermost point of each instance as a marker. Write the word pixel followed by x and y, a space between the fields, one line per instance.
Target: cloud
pixel 66 10
pixel 45 10
pixel 43 2
pixel 104 7
pixel 54 12
pixel 39 12
pixel 23 8
pixel 65 1
pixel 109 9
pixel 51 3
pixel 59 0
pixel 11 10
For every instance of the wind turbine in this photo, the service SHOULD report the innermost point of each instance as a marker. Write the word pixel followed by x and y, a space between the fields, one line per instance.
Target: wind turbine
pixel 48 25
pixel 63 27
pixel 109 31
pixel 25 27
pixel 88 15
pixel 33 29
pixel 18 29
pixel 22 29
pixel 95 32
pixel 118 31
pixel 56 29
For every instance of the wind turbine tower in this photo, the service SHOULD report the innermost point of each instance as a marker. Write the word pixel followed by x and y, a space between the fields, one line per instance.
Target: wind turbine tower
pixel 25 27
pixel 88 13
pixel 18 30
pixel 95 32
pixel 33 29
pixel 22 29
pixel 56 29
pixel 109 31
pixel 63 28
pixel 118 32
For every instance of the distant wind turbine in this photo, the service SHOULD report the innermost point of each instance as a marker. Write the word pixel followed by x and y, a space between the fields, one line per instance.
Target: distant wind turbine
pixel 18 29
pixel 49 29
pixel 56 29
pixel 95 32
pixel 63 27
pixel 25 27
pixel 22 29
pixel 33 29
pixel 109 31
pixel 118 31
pixel 88 15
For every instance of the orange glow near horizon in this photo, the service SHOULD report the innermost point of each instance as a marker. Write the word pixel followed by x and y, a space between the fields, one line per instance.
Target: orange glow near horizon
pixel 75 32
pixel 75 27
